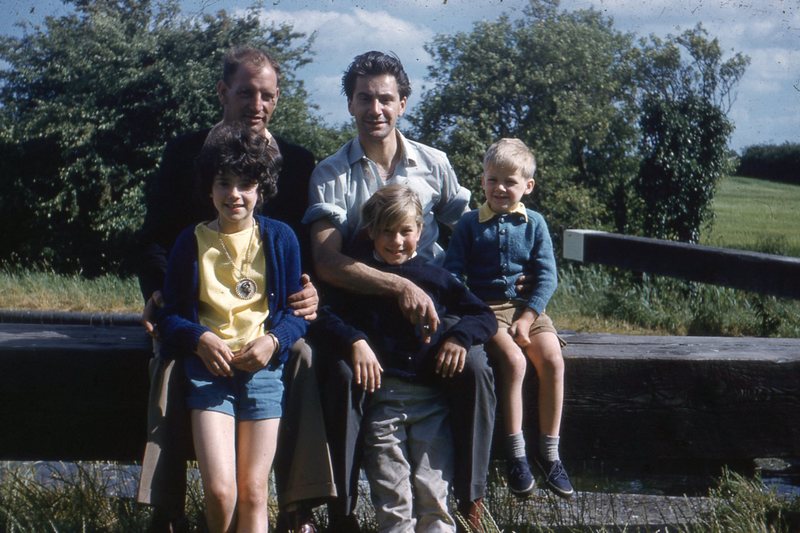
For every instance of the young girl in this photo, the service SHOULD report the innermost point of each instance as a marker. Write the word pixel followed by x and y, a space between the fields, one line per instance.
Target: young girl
pixel 226 315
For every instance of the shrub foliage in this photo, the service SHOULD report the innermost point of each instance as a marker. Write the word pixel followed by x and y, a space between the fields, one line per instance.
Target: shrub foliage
pixel 771 162
pixel 87 102
pixel 629 135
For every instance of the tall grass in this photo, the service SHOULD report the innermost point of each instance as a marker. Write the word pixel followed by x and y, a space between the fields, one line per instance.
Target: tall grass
pixel 742 505
pixel 87 497
pixel 590 298
pixel 596 298
pixel 58 498
pixel 44 289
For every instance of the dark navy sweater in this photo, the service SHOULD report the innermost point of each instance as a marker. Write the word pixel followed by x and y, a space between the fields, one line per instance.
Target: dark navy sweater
pixel 348 317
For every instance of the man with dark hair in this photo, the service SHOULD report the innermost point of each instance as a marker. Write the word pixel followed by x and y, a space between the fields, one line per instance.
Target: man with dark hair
pixel 248 92
pixel 377 91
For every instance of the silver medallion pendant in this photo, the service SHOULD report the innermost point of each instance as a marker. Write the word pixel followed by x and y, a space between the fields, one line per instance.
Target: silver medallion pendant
pixel 246 288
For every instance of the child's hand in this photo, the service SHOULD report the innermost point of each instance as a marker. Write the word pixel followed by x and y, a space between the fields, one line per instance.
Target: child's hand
pixel 520 329
pixel 255 355
pixel 215 354
pixel 366 368
pixel 450 359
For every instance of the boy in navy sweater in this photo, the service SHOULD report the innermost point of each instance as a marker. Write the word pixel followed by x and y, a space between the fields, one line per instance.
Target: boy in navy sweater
pixel 408 448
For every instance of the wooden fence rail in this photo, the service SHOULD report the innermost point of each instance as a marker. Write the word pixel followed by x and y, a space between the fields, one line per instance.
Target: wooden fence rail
pixel 752 271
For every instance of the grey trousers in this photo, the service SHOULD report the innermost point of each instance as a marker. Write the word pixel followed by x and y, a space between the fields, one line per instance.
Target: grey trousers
pixel 169 438
pixel 472 402
pixel 408 457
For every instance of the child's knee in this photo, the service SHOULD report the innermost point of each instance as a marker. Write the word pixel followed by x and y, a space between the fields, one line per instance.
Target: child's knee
pixel 253 494
pixel 514 364
pixel 545 350
pixel 221 495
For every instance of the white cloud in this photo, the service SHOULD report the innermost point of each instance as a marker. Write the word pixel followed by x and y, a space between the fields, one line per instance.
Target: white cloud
pixel 340 36
pixel 358 30
pixel 767 30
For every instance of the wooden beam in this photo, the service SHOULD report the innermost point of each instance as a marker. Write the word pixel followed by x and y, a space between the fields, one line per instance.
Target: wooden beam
pixel 752 271
pixel 651 399
pixel 73 392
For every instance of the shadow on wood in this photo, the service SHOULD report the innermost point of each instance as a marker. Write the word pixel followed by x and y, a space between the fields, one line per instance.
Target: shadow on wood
pixel 74 392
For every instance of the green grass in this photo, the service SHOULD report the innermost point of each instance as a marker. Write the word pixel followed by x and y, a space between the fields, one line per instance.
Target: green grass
pixel 86 496
pixel 758 215
pixel 46 290
pixel 594 298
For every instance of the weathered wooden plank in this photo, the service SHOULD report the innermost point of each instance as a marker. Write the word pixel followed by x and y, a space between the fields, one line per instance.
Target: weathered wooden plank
pixel 79 393
pixel 752 271
pixel 645 398
pixel 72 392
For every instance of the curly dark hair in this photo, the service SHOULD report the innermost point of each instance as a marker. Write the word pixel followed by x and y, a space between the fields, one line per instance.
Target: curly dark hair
pixel 239 151
pixel 376 64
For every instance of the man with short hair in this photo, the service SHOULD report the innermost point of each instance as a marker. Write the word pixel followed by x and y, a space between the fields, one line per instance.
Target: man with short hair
pixel 377 90
pixel 248 92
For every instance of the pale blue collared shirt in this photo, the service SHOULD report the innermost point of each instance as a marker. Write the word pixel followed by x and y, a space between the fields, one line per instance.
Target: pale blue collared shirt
pixel 343 182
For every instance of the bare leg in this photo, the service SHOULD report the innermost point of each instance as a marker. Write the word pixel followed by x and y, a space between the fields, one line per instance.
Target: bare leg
pixel 544 352
pixel 512 365
pixel 256 445
pixel 214 443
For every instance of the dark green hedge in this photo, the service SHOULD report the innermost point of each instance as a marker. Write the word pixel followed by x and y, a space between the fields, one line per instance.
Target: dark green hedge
pixel 772 162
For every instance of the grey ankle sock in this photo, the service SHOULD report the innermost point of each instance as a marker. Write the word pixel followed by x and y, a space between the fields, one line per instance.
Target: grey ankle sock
pixel 515 445
pixel 548 447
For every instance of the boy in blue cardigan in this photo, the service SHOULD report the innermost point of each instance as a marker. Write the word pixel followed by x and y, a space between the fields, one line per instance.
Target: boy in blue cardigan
pixel 403 368
pixel 490 249
pixel 227 317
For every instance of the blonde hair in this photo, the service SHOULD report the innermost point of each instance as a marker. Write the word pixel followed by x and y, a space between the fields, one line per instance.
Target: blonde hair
pixel 389 207
pixel 511 153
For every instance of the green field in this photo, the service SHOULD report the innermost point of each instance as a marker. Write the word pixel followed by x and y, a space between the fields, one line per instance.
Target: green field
pixel 758 215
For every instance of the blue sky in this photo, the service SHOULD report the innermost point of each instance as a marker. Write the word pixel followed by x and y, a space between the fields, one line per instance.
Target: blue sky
pixel 766 110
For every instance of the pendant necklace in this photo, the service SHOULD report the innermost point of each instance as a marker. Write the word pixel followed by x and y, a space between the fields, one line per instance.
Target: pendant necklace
pixel 245 287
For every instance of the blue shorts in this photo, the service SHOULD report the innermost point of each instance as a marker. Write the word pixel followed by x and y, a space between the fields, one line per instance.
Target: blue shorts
pixel 245 396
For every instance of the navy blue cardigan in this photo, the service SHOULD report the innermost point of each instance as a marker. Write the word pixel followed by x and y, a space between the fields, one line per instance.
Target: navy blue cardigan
pixel 178 321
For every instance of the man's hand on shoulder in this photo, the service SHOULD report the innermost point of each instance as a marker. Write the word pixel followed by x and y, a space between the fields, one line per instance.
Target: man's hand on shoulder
pixel 154 303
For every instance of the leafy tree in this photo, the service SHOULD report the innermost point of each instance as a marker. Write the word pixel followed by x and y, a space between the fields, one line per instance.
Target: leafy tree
pixel 686 90
pixel 87 102
pixel 772 162
pixel 628 135
pixel 684 155
pixel 559 81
